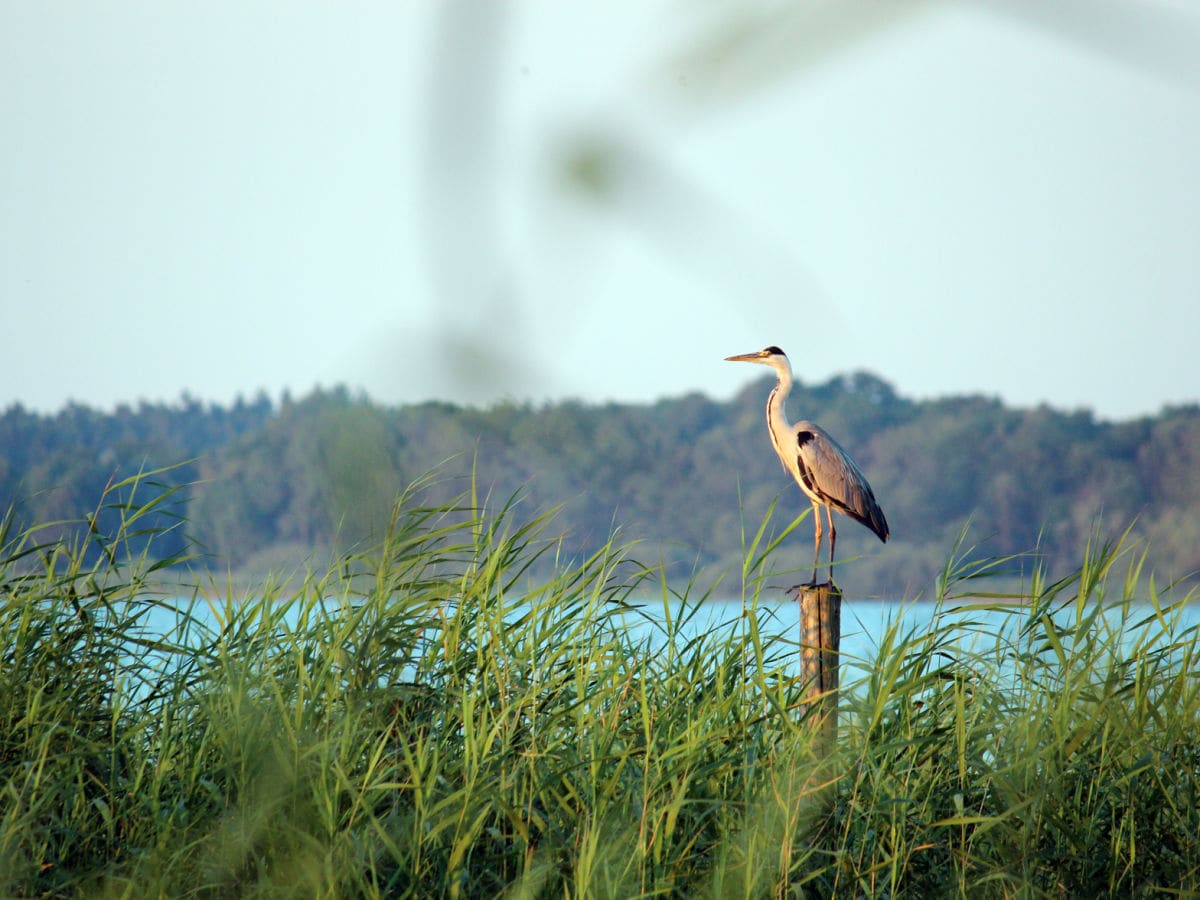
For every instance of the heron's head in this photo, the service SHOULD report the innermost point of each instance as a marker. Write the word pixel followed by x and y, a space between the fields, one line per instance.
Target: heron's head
pixel 768 356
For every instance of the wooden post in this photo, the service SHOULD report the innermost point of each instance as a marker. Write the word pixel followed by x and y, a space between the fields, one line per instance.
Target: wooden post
pixel 820 641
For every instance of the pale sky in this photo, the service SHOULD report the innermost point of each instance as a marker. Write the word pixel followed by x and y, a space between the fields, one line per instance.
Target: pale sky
pixel 998 198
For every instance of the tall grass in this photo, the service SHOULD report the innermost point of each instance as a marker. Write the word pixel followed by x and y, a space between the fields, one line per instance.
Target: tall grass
pixel 427 718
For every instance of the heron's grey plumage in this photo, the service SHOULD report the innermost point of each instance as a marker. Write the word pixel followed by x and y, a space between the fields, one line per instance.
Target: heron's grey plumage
pixel 825 472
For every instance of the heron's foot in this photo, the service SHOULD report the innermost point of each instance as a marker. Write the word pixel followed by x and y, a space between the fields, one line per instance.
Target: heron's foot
pixel 799 589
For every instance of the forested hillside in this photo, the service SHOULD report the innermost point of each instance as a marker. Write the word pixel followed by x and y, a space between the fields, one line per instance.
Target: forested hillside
pixel 265 486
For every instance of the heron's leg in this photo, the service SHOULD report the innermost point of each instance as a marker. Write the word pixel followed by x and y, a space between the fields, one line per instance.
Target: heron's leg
pixel 816 542
pixel 832 540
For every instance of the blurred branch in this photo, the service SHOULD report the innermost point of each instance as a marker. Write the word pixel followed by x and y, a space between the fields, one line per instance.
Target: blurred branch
pixel 758 45
pixel 710 238
pixel 1152 37
pixel 476 314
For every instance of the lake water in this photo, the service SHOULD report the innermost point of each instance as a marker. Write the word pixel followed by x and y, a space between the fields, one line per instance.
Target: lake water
pixel 864 623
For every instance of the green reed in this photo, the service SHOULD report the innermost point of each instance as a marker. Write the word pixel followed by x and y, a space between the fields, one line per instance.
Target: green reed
pixel 430 717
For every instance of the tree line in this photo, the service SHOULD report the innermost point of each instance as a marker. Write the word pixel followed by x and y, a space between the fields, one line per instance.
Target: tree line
pixel 262 485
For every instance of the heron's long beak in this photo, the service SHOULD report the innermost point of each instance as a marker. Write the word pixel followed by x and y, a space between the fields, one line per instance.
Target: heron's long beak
pixel 744 357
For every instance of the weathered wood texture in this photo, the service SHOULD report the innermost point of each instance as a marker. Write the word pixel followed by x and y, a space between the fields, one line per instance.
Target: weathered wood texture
pixel 820 641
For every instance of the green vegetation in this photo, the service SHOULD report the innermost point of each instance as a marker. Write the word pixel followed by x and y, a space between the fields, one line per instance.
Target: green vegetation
pixel 433 717
pixel 273 487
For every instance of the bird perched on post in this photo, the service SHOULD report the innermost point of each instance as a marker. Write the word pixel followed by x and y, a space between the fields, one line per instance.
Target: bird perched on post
pixel 824 471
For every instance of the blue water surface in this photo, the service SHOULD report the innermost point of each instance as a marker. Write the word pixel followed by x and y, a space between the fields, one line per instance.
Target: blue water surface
pixel 865 624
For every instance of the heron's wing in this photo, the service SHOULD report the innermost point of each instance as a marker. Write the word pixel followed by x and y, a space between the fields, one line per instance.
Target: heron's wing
pixel 829 473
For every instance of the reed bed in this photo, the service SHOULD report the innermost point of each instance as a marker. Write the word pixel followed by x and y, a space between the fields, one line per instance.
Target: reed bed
pixel 428 717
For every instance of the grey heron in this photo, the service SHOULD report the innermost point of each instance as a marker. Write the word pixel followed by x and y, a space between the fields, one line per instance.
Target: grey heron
pixel 824 471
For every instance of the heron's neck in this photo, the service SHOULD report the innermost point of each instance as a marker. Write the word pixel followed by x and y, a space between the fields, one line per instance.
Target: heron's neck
pixel 776 403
